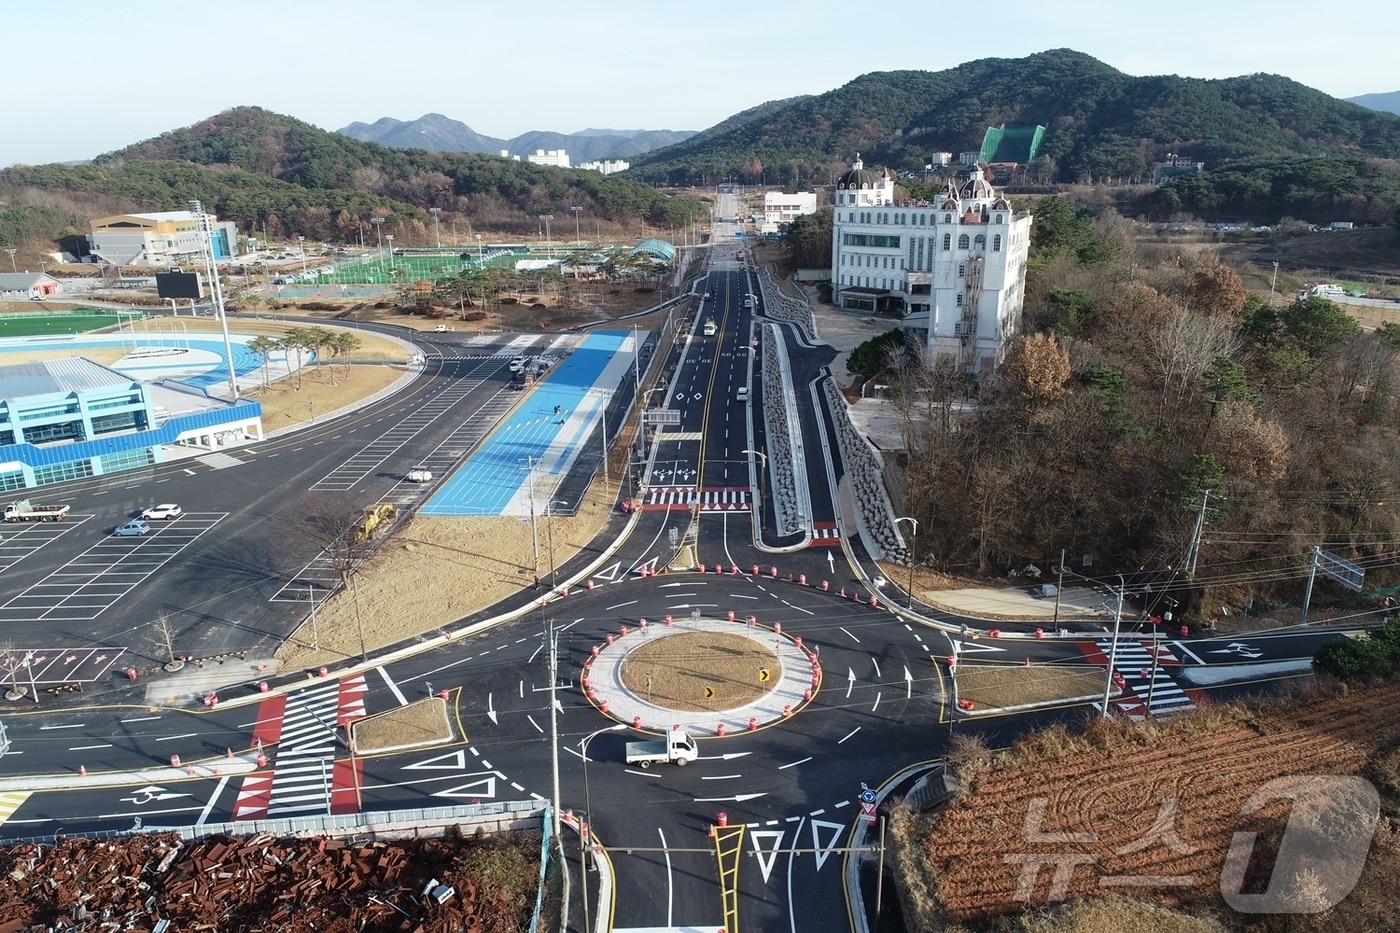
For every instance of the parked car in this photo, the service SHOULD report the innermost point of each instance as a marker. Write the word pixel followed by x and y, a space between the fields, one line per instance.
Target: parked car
pixel 134 527
pixel 165 512
pixel 420 474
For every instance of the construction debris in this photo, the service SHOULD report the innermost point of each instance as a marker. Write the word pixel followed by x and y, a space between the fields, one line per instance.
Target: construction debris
pixel 157 883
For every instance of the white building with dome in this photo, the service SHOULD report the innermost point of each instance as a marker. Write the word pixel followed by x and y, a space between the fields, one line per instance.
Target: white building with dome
pixel 954 268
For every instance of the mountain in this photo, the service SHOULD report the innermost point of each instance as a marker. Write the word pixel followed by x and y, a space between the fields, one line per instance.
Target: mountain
pixel 438 133
pixel 1387 103
pixel 432 131
pixel 266 170
pixel 1101 124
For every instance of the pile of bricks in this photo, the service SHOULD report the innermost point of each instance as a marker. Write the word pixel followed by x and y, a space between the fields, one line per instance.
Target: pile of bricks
pixel 157 884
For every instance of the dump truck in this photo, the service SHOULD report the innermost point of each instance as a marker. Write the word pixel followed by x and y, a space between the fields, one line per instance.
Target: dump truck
pixel 678 748
pixel 22 510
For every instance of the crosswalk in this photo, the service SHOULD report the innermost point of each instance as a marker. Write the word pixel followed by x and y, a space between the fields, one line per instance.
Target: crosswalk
pixel 1146 690
pixel 706 499
pixel 304 776
pixel 825 534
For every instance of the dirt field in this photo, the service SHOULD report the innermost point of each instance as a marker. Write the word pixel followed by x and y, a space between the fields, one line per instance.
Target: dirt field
pixel 993 687
pixel 1368 254
pixel 421 723
pixel 676 670
pixel 1149 810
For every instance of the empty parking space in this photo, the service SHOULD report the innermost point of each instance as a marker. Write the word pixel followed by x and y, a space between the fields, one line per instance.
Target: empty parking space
pixel 18 541
pixel 84 587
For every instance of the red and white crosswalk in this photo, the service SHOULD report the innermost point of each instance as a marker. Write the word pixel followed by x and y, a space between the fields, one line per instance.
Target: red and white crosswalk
pixel 298 733
pixel 825 534
pixel 1147 688
pixel 706 498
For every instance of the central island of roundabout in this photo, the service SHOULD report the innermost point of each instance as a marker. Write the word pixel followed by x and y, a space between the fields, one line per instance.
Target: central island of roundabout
pixel 709 676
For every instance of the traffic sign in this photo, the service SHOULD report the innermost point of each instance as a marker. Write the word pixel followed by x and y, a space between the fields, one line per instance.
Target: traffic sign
pixel 867 805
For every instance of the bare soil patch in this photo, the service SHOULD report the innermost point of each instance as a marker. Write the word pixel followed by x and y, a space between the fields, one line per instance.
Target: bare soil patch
pixel 1157 800
pixel 1001 686
pixel 676 671
pixel 417 724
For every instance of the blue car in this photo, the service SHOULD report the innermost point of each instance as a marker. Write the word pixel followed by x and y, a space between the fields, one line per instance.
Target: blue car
pixel 135 527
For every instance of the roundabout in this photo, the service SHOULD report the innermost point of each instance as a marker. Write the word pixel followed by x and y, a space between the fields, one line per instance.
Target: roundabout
pixel 714 677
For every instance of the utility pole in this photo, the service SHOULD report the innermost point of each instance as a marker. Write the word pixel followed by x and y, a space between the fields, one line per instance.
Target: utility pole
pixel 1113 651
pixel 1059 586
pixel 1312 575
pixel 1194 549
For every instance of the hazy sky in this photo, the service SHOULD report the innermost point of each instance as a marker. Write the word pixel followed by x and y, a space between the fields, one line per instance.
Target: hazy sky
pixel 83 82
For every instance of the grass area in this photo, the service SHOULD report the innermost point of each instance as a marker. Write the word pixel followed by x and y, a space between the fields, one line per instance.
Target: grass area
pixel 417 724
pixel 15 324
pixel 676 671
pixel 1000 686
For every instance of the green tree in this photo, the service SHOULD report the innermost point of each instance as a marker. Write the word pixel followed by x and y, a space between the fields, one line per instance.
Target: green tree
pixel 264 346
pixel 1315 324
pixel 873 355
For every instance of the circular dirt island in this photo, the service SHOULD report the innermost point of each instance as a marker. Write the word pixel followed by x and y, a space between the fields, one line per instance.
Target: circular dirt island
pixel 677 671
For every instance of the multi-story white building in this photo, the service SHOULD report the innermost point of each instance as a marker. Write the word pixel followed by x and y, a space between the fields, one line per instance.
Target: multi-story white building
pixel 606 166
pixel 780 208
pixel 166 238
pixel 953 268
pixel 556 157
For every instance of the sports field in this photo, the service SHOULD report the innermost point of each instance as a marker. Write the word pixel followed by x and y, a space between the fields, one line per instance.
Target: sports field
pixel 28 324
pixel 374 269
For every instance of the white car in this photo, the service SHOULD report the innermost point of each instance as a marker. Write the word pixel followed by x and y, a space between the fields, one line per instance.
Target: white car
pixel 420 475
pixel 165 512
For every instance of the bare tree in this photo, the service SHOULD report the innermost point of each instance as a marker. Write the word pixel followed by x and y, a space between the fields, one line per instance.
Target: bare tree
pixel 162 638
pixel 12 662
pixel 341 529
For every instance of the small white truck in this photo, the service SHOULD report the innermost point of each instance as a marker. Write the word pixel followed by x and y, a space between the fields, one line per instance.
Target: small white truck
pixel 22 510
pixel 710 327
pixel 678 748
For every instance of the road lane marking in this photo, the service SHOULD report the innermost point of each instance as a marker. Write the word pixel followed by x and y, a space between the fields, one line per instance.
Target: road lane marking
pixel 393 687
pixel 853 638
pixel 720 777
pixel 140 719
pixel 213 798
pixel 665 850
pixel 83 748
pixel 171 738
pixel 791 764
pixel 848 735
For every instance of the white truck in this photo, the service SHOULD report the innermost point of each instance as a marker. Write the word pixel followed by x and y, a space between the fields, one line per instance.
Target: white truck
pixel 710 327
pixel 22 510
pixel 678 748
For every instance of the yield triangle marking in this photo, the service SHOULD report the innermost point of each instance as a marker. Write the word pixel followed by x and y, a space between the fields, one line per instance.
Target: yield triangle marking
pixel 824 848
pixel 452 761
pixel 486 787
pixel 766 859
pixel 609 573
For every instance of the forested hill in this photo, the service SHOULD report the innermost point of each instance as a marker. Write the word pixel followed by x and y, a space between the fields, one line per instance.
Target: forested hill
pixel 260 168
pixel 1101 123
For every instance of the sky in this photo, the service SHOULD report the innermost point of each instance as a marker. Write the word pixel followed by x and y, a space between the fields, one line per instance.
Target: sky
pixel 82 85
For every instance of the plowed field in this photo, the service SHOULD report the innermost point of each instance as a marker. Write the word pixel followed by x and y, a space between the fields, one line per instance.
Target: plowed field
pixel 1149 814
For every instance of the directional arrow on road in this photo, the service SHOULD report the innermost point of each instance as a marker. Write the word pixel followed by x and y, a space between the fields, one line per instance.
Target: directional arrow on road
pixel 908 683
pixel 491 708
pixel 976 647
pixel 737 798
pixel 850 682
pixel 725 757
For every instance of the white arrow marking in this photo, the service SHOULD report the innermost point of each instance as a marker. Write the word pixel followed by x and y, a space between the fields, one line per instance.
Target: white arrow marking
pixel 908 683
pixel 737 798
pixel 491 708
pixel 976 646
pixel 766 859
pixel 831 561
pixel 451 761
pixel 824 848
pixel 725 757
pixel 850 682
pixel 486 787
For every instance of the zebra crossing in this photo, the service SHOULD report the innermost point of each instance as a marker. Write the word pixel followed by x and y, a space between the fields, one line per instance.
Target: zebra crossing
pixel 706 499
pixel 1146 691
pixel 825 534
pixel 304 776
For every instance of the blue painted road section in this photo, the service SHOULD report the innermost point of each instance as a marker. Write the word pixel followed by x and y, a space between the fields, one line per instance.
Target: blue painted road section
pixel 540 440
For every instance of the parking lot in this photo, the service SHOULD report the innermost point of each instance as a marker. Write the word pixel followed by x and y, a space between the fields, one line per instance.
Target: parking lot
pixel 18 541
pixel 92 582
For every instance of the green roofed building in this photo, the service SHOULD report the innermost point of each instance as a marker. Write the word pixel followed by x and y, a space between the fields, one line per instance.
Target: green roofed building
pixel 1018 144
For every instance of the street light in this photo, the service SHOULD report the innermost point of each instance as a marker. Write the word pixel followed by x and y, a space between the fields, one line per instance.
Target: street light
pixel 578 238
pixel 437 231
pixel 301 243
pixel 29 669
pixel 549 529
pixel 913 541
pixel 390 238
pixel 548 245
pixel 584 839
pixel 13 267
pixel 762 480
pixel 480 252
